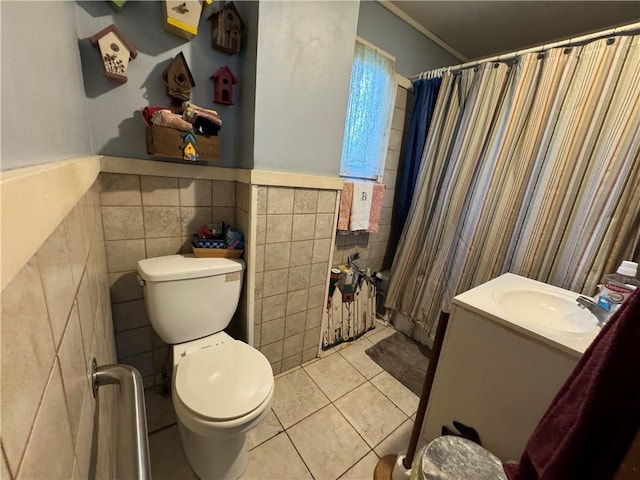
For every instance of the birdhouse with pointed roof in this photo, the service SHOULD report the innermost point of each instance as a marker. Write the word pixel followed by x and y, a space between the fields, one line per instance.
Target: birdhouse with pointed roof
pixel 181 17
pixel 178 80
pixel 116 52
pixel 226 28
pixel 189 150
pixel 223 81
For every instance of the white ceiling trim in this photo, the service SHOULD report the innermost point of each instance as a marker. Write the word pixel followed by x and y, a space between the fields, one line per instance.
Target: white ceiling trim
pixel 420 28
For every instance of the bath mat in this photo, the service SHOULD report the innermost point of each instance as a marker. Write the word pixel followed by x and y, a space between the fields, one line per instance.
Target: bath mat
pixel 403 359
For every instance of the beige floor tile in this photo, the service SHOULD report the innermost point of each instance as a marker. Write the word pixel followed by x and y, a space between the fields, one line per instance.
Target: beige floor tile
pixel 371 413
pixel 160 412
pixel 268 429
pixel 397 442
pixel 357 357
pixel 167 457
pixel 296 397
pixel 276 459
pixel 335 376
pixel 327 443
pixel 363 470
pixel 404 398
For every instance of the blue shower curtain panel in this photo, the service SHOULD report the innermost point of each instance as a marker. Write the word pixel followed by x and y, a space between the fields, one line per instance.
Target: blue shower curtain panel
pixel 425 94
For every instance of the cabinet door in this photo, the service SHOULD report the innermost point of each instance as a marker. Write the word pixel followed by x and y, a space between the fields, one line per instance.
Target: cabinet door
pixel 494 379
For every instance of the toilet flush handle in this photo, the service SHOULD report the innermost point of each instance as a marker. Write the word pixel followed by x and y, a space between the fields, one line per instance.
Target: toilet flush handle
pixel 141 281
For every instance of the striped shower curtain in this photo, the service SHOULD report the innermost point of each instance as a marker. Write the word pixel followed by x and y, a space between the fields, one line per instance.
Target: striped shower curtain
pixel 531 168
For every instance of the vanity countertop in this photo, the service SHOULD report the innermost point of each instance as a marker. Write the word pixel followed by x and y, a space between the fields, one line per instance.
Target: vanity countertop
pixel 485 300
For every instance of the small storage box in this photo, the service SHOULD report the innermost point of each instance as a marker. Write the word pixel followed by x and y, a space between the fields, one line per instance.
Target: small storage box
pixel 166 142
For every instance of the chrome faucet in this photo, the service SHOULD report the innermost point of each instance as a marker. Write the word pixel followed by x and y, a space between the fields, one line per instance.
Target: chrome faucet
pixel 600 313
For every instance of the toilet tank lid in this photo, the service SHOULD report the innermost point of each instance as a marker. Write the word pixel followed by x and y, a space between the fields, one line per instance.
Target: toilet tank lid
pixel 180 267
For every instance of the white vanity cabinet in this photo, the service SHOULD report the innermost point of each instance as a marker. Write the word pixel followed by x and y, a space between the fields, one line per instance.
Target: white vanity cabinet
pixel 496 374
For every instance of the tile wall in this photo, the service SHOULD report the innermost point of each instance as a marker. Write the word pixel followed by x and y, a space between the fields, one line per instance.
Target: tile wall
pixel 56 316
pixel 148 216
pixel 293 249
pixel 377 249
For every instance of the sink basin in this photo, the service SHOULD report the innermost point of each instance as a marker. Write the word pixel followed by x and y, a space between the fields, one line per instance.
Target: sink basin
pixel 547 309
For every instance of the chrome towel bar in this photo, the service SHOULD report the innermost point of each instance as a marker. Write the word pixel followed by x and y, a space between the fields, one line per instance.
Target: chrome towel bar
pixel 132 449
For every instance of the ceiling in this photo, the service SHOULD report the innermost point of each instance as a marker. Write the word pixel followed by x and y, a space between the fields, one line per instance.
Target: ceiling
pixel 480 29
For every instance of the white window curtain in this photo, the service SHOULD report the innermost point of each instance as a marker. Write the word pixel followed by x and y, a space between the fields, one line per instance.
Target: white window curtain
pixel 369 112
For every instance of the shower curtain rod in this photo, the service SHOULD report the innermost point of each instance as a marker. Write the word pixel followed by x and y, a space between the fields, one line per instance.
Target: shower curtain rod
pixel 540 48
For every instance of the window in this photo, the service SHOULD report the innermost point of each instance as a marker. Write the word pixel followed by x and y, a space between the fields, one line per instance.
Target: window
pixel 369 111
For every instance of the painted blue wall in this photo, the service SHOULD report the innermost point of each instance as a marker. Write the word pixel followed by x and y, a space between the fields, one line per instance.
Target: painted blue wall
pixel 43 105
pixel 413 51
pixel 305 52
pixel 115 109
pixel 84 112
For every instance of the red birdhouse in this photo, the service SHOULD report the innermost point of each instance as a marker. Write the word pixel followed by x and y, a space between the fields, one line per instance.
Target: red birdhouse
pixel 223 81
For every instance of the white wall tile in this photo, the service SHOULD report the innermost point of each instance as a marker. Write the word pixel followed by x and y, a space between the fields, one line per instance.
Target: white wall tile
pixel 162 221
pixel 4 473
pixel 274 307
pixel 159 191
pixel 279 200
pixel 276 255
pixel 74 369
pixel 303 227
pixel 192 218
pixel 120 189
pixel 45 458
pixel 84 439
pixel 305 200
pixel 194 193
pixel 25 328
pixel 301 253
pixel 57 279
pixel 123 255
pixel 129 315
pixel 278 228
pixel 223 193
pixel 326 201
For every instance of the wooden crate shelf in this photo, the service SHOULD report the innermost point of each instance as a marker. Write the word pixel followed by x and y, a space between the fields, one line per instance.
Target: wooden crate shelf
pixel 166 142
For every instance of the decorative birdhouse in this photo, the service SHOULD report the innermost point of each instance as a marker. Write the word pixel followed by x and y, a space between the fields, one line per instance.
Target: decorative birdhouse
pixel 118 4
pixel 181 17
pixel 116 52
pixel 189 151
pixel 178 80
pixel 226 28
pixel 223 81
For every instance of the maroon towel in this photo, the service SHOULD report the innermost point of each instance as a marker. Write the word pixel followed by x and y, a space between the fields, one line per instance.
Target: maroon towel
pixel 593 419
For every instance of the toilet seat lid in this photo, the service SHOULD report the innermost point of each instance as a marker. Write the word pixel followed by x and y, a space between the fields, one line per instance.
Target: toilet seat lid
pixel 225 381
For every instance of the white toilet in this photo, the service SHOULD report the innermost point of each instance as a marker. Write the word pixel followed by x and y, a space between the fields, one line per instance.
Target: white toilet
pixel 221 387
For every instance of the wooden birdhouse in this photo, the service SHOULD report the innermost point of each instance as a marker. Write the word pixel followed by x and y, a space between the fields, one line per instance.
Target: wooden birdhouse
pixel 118 4
pixel 223 81
pixel 116 52
pixel 226 28
pixel 178 80
pixel 189 151
pixel 181 17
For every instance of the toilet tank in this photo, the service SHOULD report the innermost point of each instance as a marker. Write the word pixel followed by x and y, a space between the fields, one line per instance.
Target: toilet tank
pixel 188 297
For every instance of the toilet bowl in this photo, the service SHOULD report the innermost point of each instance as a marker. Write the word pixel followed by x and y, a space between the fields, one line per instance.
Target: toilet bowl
pixel 219 392
pixel 221 387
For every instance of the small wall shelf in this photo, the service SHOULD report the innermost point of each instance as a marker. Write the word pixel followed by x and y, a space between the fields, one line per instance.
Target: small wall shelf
pixel 166 142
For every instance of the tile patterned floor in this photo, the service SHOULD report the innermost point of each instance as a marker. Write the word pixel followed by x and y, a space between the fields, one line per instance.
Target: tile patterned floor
pixel 332 418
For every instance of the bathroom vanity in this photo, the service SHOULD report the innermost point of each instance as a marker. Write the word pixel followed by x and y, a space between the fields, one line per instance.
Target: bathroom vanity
pixel 510 345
